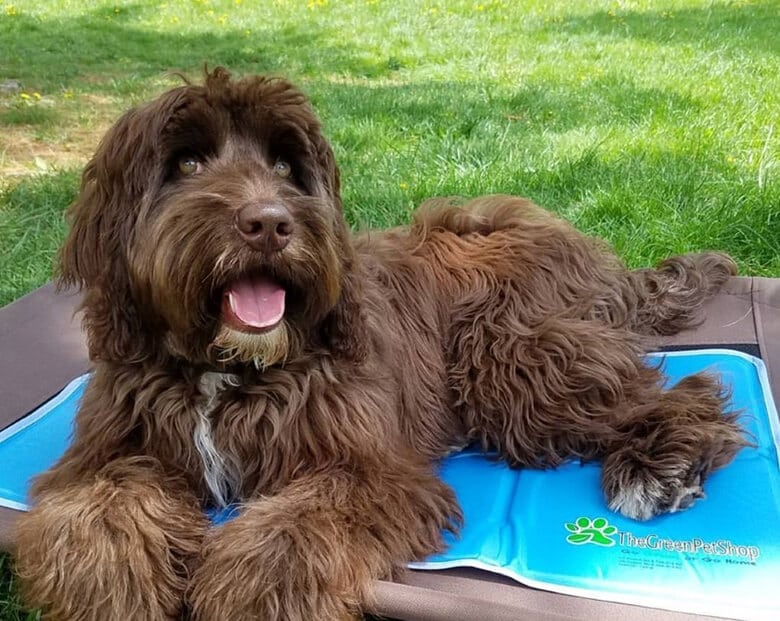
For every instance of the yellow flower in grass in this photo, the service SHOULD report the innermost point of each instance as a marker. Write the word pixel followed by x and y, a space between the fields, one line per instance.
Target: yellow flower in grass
pixel 11 10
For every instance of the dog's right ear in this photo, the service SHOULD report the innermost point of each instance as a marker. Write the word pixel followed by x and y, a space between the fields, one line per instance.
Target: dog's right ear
pixel 93 257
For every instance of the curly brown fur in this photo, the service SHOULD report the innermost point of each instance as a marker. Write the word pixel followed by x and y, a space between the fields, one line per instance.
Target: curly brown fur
pixel 249 349
pixel 116 545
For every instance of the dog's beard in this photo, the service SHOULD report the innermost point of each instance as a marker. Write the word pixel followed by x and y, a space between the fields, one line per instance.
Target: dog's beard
pixel 261 349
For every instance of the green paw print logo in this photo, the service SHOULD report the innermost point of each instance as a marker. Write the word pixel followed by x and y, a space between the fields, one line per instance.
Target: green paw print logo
pixel 585 530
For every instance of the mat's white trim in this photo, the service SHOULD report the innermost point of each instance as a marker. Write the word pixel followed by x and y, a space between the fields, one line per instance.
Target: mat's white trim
pixel 43 410
pixel 11 504
pixel 718 609
pixel 39 413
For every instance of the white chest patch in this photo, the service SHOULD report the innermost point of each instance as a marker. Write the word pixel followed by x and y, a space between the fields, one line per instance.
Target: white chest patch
pixel 219 471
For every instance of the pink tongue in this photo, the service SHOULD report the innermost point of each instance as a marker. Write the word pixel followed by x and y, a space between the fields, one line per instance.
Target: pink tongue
pixel 257 302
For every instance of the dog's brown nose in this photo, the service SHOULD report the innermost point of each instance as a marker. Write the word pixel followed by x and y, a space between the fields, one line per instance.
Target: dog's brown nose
pixel 265 226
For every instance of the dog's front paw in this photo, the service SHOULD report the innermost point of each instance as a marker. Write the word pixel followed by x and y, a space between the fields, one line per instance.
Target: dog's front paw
pixel 108 551
pixel 274 575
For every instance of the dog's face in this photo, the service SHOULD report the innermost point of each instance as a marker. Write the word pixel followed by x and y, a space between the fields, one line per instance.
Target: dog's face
pixel 209 228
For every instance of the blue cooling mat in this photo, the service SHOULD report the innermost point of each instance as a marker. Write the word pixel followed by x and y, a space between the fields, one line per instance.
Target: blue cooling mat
pixel 552 530
pixel 33 444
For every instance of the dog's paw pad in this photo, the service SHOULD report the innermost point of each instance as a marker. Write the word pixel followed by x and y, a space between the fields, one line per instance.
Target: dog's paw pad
pixel 585 530
pixel 685 496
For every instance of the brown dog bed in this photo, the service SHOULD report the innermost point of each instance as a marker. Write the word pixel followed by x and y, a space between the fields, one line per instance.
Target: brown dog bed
pixel 43 349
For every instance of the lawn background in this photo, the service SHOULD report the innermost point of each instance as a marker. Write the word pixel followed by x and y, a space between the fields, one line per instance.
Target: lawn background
pixel 653 124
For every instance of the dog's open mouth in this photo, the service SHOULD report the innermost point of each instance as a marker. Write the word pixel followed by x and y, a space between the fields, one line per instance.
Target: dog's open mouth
pixel 253 304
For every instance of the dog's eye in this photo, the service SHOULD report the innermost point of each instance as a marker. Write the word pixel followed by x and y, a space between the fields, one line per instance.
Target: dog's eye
pixel 282 168
pixel 188 165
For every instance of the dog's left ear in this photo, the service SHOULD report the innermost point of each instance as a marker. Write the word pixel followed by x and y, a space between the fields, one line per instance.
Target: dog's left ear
pixel 329 171
pixel 345 329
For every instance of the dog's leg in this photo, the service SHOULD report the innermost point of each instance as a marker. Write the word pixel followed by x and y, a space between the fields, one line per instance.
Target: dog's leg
pixel 668 446
pixel 570 388
pixel 541 394
pixel 314 550
pixel 116 545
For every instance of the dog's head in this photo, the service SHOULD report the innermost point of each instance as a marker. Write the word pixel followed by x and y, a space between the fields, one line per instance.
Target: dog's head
pixel 209 227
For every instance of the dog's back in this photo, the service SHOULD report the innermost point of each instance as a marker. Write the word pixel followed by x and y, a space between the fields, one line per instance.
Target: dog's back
pixel 512 242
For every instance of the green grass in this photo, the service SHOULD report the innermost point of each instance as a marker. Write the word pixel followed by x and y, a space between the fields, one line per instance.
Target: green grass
pixel 31 228
pixel 652 123
pixel 10 607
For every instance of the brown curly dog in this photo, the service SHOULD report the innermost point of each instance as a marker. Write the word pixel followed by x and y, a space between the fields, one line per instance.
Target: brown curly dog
pixel 248 348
